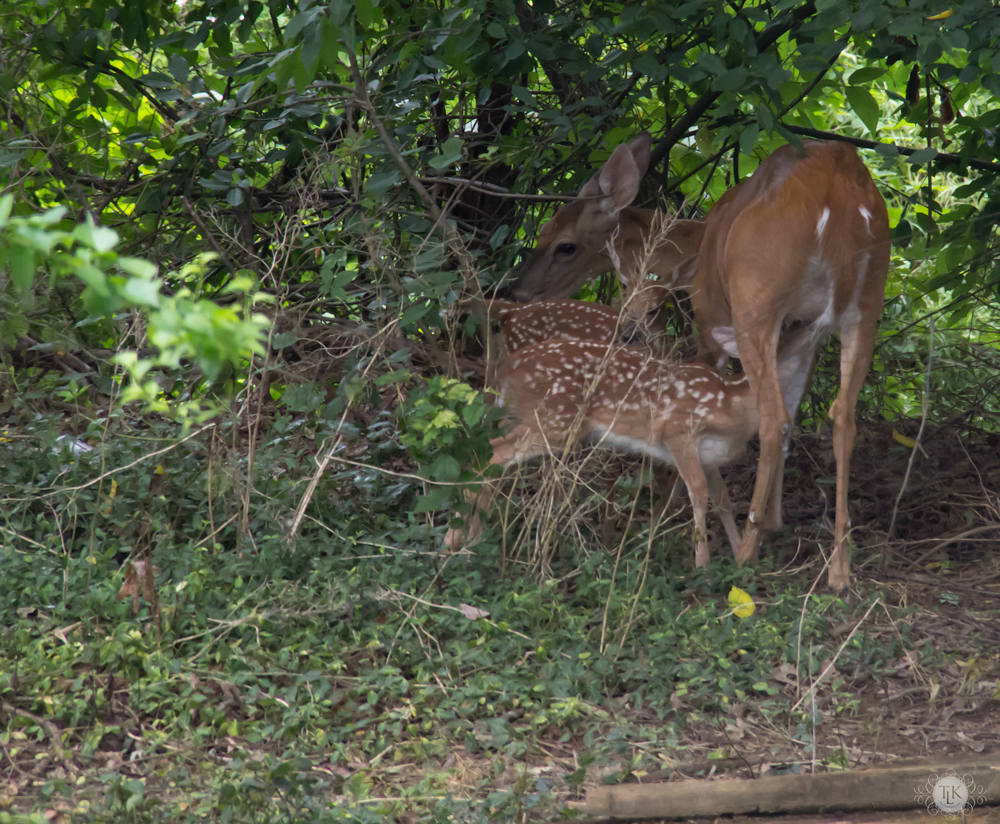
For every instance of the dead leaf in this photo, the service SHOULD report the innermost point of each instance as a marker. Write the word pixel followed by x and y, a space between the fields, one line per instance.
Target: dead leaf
pixel 130 587
pixel 975 746
pixel 140 573
pixel 473 613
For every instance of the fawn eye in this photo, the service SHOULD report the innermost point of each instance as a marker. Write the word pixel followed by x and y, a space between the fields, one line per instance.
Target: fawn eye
pixel 565 248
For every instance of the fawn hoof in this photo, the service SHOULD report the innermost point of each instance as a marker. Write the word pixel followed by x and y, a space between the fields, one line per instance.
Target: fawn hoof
pixel 453 540
pixel 458 538
pixel 839 586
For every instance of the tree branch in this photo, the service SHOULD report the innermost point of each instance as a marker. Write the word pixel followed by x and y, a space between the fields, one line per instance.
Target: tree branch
pixel 451 236
pixel 861 143
pixel 767 38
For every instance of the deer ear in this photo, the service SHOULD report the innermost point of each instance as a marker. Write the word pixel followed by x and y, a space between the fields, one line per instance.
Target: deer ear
pixel 683 274
pixel 619 179
pixel 641 148
pixel 592 188
pixel 726 338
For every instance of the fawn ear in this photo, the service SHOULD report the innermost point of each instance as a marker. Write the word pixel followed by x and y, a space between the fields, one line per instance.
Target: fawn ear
pixel 726 338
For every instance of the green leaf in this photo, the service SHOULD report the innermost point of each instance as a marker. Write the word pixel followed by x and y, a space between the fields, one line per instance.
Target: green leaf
pixel 301 73
pixel 380 182
pixel 299 22
pixel 445 468
pixel 366 13
pixel 451 153
pixel 94 278
pixel 921 156
pixel 864 105
pixel 99 238
pixel 765 118
pixel 434 501
pixel 178 67
pixel 865 75
pixel 524 96
pixel 396 376
pixel 711 63
pixel 138 267
pixel 312 42
pixel 22 266
pixel 340 10
pixel 748 139
pixel 991 82
pixel 731 79
pixel 334 282
pixel 141 292
pixel 6 203
pixel 157 80
pixel 50 216
pixel 414 313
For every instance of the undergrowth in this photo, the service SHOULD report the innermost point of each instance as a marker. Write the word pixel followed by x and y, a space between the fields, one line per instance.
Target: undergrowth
pixel 355 672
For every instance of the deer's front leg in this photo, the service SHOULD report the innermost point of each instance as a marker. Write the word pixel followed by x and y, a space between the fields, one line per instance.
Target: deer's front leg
pixel 513 447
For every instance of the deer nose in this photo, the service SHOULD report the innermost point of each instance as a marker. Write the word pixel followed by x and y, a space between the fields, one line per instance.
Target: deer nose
pixel 520 294
pixel 631 332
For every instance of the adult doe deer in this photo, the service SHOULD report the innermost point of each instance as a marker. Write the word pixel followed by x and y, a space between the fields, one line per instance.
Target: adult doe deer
pixel 805 238
pixel 688 416
pixel 599 231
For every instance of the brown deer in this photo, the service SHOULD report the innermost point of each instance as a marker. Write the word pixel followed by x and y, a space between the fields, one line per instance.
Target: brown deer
pixel 599 231
pixel 614 396
pixel 523 324
pixel 804 239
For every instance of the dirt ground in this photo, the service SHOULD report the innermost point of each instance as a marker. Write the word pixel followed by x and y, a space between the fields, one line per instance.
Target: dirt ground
pixel 941 561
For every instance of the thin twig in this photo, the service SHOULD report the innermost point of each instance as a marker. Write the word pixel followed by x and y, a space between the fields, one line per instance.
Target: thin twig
pixel 136 462
pixel 48 726
pixel 467 264
pixel 209 236
pixel 498 191
pixel 924 404
pixel 836 655
pixel 961 536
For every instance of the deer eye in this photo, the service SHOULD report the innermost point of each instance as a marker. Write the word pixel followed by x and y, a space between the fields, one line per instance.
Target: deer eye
pixel 565 248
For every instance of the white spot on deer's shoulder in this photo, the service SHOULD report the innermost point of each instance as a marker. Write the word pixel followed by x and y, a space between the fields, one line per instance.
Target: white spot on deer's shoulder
pixel 821 225
pixel 867 216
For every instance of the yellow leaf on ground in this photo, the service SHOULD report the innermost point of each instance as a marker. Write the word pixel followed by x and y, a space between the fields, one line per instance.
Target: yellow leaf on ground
pixel 899 437
pixel 741 603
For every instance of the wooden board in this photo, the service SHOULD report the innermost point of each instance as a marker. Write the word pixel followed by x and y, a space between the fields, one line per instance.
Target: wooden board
pixel 878 788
